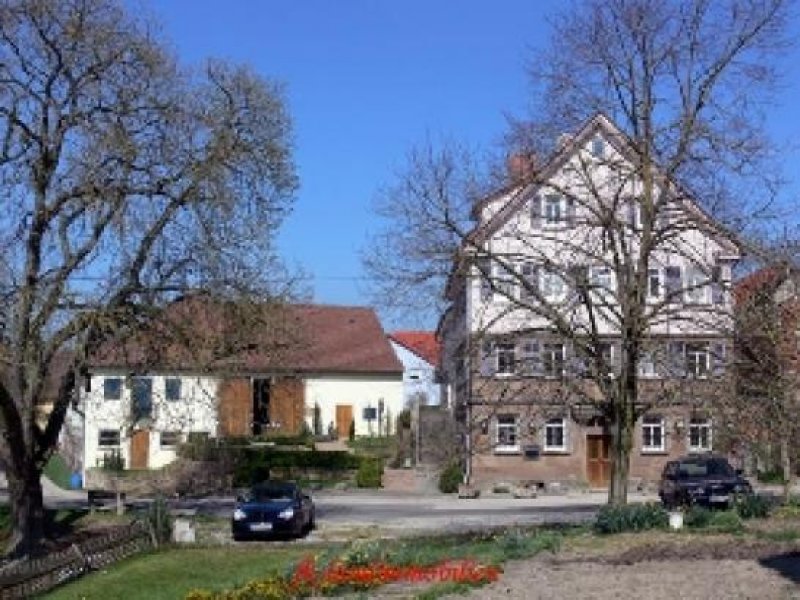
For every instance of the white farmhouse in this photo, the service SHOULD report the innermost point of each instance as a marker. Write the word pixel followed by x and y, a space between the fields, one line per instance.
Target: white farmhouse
pixel 334 370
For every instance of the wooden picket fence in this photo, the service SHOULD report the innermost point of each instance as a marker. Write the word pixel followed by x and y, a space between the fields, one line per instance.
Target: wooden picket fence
pixel 37 576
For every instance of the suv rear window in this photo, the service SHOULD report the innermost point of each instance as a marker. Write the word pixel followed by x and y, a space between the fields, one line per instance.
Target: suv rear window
pixel 705 468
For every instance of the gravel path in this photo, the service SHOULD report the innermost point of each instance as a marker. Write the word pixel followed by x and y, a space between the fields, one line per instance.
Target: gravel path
pixel 671 579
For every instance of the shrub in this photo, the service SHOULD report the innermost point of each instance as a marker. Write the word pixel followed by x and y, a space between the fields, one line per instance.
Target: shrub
pixel 697 517
pixel 725 521
pixel 255 464
pixel 351 433
pixel 631 517
pixel 159 522
pixel 404 419
pixel 317 419
pixel 518 544
pixel 450 478
pixel 113 461
pixel 370 473
pixel 753 506
pixel 775 476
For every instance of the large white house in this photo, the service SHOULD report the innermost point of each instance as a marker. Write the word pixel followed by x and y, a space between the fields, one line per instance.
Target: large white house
pixel 338 372
pixel 538 299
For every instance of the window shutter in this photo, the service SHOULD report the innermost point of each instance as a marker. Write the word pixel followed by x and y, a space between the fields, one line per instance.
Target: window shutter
pixel 536 211
pixel 672 283
pixel 570 211
pixel 568 435
pixel 717 290
pixel 677 358
pixel 630 205
pixel 667 435
pixel 530 274
pixel 488 361
pixel 483 266
pixel 718 359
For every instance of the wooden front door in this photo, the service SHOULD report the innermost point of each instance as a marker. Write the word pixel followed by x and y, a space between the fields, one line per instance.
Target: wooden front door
pixel 598 466
pixel 344 416
pixel 235 407
pixel 140 449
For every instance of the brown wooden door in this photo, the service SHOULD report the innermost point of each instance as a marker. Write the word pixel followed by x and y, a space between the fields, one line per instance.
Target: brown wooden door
pixel 140 449
pixel 287 404
pixel 344 416
pixel 235 407
pixel 598 467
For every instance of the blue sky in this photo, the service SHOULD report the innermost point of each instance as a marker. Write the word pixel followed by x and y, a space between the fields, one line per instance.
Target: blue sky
pixel 368 79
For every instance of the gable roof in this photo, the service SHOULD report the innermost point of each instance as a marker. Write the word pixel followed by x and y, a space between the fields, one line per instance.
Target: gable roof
pixel 422 343
pixel 210 335
pixel 522 191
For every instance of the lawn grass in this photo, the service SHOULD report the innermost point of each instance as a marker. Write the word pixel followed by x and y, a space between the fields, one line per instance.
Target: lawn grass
pixel 171 573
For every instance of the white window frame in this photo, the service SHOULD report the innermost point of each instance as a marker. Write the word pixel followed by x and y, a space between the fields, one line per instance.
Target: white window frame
pixel 647 366
pixel 555 424
pixel 510 424
pixel 548 352
pixel 100 433
pixel 651 424
pixel 699 425
pixel 559 214
pixel 178 440
pixel 696 286
pixel 506 348
pixel 697 350
pixel 552 286
pixel 602 278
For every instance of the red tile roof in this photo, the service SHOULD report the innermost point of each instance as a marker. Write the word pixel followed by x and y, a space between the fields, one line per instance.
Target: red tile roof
pixel 422 343
pixel 209 335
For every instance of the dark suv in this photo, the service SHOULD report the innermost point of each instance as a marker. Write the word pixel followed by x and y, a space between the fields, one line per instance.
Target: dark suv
pixel 708 480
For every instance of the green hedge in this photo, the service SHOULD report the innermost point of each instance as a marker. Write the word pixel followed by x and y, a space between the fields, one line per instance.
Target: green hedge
pixel 450 478
pixel 631 517
pixel 258 464
pixel 370 473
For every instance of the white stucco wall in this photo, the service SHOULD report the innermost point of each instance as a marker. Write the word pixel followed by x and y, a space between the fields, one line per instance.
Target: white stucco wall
pixel 194 411
pixel 418 376
pixel 360 391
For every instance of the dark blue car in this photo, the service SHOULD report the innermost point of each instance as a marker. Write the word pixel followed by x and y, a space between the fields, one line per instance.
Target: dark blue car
pixel 272 509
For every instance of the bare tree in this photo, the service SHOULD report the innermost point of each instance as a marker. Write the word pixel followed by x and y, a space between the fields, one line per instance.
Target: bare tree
pixel 679 81
pixel 765 411
pixel 127 182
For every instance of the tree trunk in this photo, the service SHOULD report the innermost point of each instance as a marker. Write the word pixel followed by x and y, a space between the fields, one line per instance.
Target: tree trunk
pixel 27 508
pixel 786 464
pixel 621 443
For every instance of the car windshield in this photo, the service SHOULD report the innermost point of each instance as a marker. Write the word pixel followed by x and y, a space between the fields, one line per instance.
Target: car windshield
pixel 705 468
pixel 270 494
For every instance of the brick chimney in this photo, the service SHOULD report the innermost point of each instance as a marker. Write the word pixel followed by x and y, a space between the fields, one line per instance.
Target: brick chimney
pixel 521 166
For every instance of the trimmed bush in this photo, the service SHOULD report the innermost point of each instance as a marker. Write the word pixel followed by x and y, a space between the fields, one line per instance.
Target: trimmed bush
pixel 370 473
pixel 753 506
pixel 725 521
pixel 697 517
pixel 255 464
pixel 631 517
pixel 450 478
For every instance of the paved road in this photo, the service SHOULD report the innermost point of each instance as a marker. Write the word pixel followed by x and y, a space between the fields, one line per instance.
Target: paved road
pixel 402 513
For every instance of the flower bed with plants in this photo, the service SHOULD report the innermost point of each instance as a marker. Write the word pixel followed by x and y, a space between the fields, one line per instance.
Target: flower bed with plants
pixel 308 578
